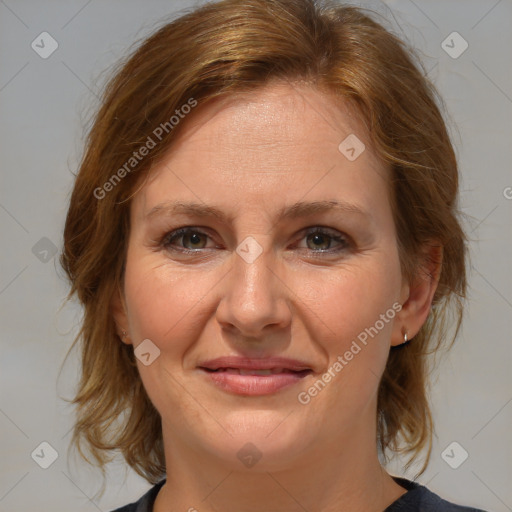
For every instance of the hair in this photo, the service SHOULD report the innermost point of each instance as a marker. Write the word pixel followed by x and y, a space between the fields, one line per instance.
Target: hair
pixel 218 50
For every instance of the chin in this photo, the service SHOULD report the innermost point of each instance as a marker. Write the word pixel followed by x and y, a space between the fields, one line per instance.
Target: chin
pixel 260 441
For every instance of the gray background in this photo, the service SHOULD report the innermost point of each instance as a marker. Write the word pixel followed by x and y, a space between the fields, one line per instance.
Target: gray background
pixel 43 105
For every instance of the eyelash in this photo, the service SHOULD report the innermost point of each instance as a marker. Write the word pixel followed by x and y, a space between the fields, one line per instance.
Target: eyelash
pixel 166 242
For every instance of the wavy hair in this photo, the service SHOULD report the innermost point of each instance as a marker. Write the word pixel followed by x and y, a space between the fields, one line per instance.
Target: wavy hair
pixel 220 49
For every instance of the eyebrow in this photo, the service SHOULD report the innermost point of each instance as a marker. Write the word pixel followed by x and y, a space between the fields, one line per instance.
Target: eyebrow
pixel 294 211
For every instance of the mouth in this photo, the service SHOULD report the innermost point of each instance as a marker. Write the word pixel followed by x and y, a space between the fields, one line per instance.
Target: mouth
pixel 254 381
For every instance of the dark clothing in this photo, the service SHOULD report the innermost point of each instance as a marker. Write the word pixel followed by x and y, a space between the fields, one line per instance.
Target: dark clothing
pixel 417 499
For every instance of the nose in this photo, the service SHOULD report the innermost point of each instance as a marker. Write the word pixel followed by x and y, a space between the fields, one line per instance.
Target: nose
pixel 255 298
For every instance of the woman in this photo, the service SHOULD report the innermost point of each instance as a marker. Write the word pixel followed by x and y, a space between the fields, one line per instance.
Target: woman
pixel 265 239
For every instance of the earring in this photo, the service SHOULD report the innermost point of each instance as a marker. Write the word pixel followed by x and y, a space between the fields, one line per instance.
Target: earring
pixel 406 339
pixel 124 333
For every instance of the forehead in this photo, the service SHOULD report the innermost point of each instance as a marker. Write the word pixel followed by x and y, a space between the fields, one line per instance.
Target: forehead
pixel 279 113
pixel 279 138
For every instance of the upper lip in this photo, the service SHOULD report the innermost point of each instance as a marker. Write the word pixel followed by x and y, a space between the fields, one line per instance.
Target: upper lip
pixel 246 363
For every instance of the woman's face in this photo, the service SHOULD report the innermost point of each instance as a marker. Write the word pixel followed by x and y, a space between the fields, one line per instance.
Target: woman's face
pixel 260 273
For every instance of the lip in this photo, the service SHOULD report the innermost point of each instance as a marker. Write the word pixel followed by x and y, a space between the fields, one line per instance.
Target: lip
pixel 224 372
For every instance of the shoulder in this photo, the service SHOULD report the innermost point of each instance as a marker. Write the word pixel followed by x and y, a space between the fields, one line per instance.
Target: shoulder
pixel 144 503
pixel 420 499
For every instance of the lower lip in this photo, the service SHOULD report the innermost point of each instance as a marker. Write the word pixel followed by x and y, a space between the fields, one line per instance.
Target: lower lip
pixel 253 385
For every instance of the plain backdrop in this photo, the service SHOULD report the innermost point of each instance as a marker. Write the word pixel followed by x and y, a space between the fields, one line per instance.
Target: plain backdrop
pixel 44 103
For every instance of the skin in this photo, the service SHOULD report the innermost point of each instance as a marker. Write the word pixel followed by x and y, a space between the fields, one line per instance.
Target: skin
pixel 250 156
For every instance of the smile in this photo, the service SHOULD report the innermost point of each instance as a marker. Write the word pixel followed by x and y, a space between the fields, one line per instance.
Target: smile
pixel 252 382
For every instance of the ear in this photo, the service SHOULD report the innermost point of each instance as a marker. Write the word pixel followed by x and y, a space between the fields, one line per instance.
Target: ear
pixel 118 312
pixel 416 297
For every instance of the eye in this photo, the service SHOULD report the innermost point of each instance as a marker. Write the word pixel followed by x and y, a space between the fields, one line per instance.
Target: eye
pixel 191 240
pixel 320 239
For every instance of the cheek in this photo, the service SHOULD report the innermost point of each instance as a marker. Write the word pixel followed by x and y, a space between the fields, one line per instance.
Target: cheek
pixel 352 300
pixel 163 306
pixel 352 315
pixel 161 300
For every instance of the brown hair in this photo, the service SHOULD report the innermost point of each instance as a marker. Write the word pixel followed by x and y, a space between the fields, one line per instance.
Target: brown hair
pixel 221 49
